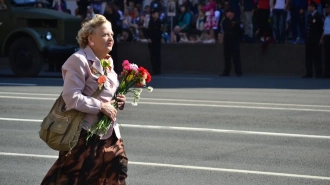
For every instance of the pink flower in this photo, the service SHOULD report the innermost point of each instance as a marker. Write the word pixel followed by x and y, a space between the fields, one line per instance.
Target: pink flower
pixel 134 67
pixel 126 63
pixel 127 68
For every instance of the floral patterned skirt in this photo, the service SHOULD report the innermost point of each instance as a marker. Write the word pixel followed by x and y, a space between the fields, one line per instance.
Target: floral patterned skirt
pixel 99 162
pixel 211 22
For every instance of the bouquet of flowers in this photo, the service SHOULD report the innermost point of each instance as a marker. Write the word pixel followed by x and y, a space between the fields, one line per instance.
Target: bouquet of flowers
pixel 131 76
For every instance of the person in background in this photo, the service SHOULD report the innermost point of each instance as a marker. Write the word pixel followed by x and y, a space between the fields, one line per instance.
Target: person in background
pixel 184 19
pixel 97 6
pixel 82 8
pixel 247 14
pixel 175 35
pixel 233 31
pixel 114 17
pixel 157 6
pixel 59 5
pixel 265 31
pixel 200 19
pixel 127 19
pixel 312 45
pixel 235 6
pixel 325 40
pixel 324 6
pixel 319 6
pixel 154 36
pixel 3 5
pixel 297 13
pixel 279 10
pixel 211 21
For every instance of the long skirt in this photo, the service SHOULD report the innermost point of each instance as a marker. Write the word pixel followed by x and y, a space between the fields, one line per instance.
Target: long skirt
pixel 99 162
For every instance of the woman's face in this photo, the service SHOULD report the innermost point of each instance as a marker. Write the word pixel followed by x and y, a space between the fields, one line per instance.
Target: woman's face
pixel 126 11
pixel 199 7
pixel 136 12
pixel 183 9
pixel 102 39
pixel 108 9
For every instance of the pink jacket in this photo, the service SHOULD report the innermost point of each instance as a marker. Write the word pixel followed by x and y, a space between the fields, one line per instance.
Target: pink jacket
pixel 80 83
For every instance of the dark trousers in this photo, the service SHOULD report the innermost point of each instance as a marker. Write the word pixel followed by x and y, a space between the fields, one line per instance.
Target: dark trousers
pixel 264 27
pixel 232 52
pixel 279 24
pixel 155 56
pixel 326 46
pixel 297 22
pixel 313 59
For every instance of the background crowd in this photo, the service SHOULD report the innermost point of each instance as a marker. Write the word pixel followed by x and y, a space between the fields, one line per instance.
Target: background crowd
pixel 199 21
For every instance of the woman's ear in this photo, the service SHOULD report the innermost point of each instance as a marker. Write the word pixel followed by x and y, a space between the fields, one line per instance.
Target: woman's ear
pixel 90 40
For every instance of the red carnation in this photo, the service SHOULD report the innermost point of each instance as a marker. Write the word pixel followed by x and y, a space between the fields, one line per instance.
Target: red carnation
pixel 148 77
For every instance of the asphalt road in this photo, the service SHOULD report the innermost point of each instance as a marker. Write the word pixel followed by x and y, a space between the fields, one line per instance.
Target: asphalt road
pixel 201 130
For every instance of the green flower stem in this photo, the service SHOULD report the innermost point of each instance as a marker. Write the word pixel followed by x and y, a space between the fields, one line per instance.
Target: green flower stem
pixel 105 122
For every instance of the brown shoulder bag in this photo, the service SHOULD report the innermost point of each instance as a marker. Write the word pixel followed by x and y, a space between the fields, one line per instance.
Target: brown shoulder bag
pixel 60 129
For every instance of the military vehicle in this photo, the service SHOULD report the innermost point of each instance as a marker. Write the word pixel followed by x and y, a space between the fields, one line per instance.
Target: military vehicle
pixel 31 36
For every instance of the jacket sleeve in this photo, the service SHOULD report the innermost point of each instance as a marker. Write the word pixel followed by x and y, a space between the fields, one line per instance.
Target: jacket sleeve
pixel 74 73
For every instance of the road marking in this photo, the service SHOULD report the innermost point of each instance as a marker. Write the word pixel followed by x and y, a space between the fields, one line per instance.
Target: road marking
pixel 187 100
pixel 24 120
pixel 35 94
pixel 233 102
pixel 188 167
pixel 234 106
pixel 196 129
pixel 27 98
pixel 18 84
pixel 193 105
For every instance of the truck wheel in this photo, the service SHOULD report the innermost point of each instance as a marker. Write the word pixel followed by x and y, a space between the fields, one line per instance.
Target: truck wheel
pixel 25 59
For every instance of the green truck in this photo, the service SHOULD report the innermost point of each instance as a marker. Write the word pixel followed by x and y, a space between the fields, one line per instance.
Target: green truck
pixel 31 36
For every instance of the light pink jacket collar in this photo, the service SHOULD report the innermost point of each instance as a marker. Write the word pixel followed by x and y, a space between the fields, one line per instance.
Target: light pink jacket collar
pixel 93 58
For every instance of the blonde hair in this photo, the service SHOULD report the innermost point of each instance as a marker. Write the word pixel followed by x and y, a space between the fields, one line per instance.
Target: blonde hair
pixel 88 28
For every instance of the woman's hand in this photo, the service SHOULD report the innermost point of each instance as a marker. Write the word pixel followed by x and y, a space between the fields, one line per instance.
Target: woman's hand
pixel 109 110
pixel 121 101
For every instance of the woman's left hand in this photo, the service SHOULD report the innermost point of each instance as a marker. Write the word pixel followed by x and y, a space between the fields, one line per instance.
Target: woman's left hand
pixel 121 101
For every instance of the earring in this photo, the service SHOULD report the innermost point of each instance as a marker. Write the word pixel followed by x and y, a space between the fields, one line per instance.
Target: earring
pixel 91 43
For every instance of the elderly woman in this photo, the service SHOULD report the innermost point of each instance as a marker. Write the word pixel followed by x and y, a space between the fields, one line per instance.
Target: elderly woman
pixel 102 160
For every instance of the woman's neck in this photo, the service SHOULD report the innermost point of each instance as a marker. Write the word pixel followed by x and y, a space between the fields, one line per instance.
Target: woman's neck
pixel 99 55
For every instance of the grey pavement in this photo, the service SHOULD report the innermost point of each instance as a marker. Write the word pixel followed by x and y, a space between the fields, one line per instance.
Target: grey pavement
pixel 191 130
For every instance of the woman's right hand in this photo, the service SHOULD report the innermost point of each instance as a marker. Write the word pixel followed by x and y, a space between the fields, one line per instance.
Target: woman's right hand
pixel 109 110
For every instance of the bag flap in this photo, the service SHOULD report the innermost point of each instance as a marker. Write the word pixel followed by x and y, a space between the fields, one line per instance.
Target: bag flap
pixel 59 126
pixel 46 122
pixel 56 123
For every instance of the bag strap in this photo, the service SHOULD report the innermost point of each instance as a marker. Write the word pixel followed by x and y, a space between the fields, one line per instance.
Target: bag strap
pixel 97 92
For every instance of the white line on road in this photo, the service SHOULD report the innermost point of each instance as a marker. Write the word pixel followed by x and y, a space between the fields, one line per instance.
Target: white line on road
pixel 35 94
pixel 192 105
pixel 246 132
pixel 188 167
pixel 18 84
pixel 24 120
pixel 234 106
pixel 27 98
pixel 187 100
